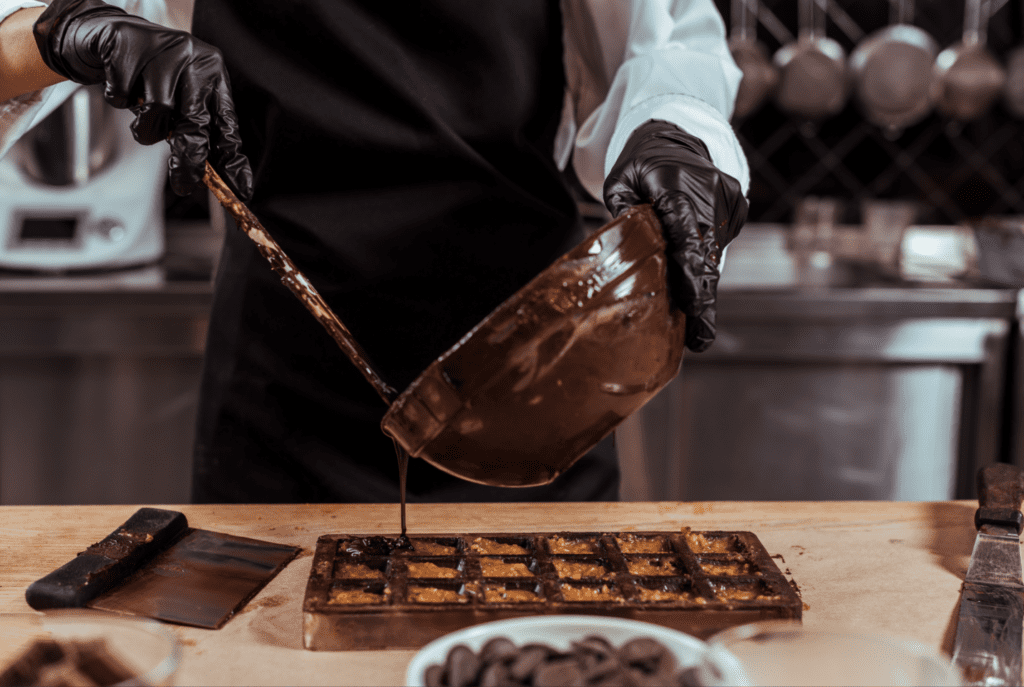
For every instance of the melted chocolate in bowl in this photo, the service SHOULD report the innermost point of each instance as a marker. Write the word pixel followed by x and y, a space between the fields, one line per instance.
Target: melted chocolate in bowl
pixel 555 368
pixel 542 379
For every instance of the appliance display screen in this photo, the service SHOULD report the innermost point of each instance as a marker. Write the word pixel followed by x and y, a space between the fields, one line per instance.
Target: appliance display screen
pixel 48 228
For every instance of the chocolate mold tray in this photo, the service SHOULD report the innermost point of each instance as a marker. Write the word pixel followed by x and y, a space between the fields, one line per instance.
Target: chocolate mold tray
pixel 374 593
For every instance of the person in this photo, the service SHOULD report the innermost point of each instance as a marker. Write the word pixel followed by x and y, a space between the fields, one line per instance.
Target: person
pixel 412 159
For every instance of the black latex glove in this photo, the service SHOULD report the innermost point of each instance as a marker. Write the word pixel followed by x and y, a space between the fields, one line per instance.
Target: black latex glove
pixel 170 80
pixel 700 207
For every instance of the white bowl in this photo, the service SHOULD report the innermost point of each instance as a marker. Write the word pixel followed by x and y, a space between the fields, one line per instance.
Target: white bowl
pixel 559 631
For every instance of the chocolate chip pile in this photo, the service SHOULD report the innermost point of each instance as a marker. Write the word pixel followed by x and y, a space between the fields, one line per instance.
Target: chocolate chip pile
pixel 641 662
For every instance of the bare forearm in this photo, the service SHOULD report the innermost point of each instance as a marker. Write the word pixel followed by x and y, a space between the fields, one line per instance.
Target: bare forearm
pixel 22 70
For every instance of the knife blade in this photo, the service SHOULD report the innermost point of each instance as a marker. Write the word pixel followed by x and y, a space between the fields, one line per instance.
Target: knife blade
pixel 991 621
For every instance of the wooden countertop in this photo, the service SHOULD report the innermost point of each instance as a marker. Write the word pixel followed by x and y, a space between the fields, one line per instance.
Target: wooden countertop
pixel 894 568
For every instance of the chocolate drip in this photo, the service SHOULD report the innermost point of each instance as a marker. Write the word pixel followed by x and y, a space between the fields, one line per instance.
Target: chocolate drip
pixel 299 285
pixel 403 470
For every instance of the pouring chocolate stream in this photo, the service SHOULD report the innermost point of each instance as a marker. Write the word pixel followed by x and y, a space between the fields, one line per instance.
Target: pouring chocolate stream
pixel 301 287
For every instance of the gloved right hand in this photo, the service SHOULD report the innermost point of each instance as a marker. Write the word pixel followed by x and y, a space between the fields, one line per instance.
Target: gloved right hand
pixel 175 84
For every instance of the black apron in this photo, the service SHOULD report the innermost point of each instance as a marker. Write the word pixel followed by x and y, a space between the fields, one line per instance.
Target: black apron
pixel 402 155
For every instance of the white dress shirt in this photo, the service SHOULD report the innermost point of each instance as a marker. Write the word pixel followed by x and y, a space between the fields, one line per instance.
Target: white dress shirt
pixel 673 63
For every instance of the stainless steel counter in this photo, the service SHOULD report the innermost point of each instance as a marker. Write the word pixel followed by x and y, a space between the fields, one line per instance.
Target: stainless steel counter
pixel 829 381
pixel 99 379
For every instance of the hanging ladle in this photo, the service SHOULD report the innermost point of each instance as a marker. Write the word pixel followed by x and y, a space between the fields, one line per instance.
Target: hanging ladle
pixel 543 378
pixel 760 77
pixel 968 78
pixel 892 71
pixel 813 81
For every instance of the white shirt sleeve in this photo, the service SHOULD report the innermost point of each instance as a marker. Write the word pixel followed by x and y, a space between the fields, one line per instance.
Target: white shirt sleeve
pixel 673 64
pixel 20 114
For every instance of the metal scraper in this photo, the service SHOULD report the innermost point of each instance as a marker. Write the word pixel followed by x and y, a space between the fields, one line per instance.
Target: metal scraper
pixel 989 630
pixel 155 565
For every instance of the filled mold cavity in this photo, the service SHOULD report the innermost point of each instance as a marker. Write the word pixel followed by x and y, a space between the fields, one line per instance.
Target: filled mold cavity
pixel 437 592
pixel 591 592
pixel 501 546
pixel 742 590
pixel 362 569
pixel 700 542
pixel 725 566
pixel 580 568
pixel 436 546
pixel 435 568
pixel 513 592
pixel 653 566
pixel 570 545
pixel 352 593
pixel 660 590
pixel 506 566
pixel 631 543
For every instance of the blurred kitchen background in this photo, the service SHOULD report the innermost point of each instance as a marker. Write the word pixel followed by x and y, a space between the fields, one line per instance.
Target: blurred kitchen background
pixel 869 336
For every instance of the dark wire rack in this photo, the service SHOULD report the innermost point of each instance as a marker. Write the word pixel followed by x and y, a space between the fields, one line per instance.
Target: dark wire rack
pixel 952 171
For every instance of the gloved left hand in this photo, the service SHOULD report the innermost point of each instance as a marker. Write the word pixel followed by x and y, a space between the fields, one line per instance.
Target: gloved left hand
pixel 173 82
pixel 700 207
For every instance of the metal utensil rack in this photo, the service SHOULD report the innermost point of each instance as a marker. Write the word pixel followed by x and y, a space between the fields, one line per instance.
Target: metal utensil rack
pixel 954 171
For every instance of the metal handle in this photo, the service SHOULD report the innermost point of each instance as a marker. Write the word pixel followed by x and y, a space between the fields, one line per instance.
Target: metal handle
pixel 296 282
pixel 1000 493
pixel 904 12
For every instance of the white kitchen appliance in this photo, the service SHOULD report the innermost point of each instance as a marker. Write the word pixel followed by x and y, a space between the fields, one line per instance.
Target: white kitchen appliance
pixel 78 193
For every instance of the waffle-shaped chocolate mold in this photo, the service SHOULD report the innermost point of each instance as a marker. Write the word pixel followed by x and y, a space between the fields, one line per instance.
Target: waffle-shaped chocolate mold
pixel 375 593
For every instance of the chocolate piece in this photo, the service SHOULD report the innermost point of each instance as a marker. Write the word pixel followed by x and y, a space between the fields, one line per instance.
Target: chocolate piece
pixel 598 668
pixel 646 654
pixel 107 563
pixel 529 659
pixel 564 673
pixel 68 664
pixel 495 675
pixel 434 677
pixel 461 666
pixel 499 649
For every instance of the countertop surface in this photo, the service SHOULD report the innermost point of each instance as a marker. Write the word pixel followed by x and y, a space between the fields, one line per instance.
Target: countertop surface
pixel 893 568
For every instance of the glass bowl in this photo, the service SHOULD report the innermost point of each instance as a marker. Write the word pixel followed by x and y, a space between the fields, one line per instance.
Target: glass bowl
pixel 786 653
pixel 146 648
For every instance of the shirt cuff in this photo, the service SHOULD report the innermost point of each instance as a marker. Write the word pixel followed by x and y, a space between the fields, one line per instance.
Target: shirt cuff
pixel 8 8
pixel 693 116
